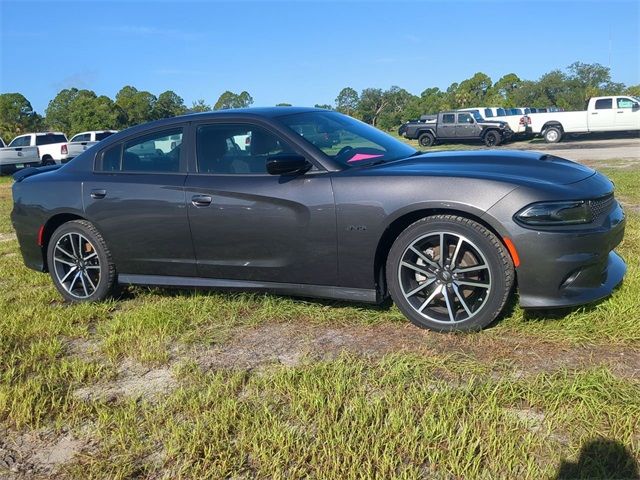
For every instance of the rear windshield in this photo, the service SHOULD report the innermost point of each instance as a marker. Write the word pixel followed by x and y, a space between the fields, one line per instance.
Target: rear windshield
pixel 50 138
pixel 103 135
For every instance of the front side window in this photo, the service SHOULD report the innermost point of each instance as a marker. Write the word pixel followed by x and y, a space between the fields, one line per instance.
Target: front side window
pixel 604 104
pixel 488 113
pixel 236 149
pixel 625 103
pixel 157 152
pixel 464 118
pixel 346 140
pixel 81 137
pixel 21 141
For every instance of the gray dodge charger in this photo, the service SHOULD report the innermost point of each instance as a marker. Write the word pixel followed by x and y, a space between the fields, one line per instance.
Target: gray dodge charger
pixel 308 202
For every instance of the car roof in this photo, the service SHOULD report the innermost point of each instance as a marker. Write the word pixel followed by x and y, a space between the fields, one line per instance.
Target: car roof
pixel 39 134
pixel 254 111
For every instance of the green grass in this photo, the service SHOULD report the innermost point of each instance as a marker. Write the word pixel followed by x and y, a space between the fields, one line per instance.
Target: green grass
pixel 406 415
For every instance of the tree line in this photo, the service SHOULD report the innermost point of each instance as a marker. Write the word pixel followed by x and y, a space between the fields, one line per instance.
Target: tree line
pixel 73 110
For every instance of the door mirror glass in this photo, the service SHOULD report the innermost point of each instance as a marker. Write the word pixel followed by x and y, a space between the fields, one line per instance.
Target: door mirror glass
pixel 287 164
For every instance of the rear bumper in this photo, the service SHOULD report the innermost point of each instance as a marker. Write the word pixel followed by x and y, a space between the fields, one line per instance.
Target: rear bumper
pixel 565 269
pixel 9 168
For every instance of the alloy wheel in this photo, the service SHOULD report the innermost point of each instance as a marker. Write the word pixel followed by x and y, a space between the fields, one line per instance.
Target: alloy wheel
pixel 77 265
pixel 445 277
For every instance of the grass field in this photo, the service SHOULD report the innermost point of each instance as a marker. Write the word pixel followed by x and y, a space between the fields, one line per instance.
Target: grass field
pixel 168 384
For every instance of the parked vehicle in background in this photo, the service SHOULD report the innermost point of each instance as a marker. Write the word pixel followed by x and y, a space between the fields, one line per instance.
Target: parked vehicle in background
pixel 15 157
pixel 603 114
pixel 518 125
pixel 52 146
pixel 82 141
pixel 456 126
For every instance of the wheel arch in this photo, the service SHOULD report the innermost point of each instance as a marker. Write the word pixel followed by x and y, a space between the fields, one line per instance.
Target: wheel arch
pixel 397 225
pixel 550 124
pixel 50 226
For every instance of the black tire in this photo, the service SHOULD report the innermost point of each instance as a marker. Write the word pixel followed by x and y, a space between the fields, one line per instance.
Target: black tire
pixel 497 267
pixel 426 139
pixel 552 135
pixel 47 160
pixel 492 138
pixel 104 282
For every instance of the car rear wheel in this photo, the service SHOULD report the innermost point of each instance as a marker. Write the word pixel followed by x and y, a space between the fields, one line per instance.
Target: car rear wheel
pixel 492 139
pixel 47 160
pixel 80 263
pixel 426 140
pixel 552 135
pixel 448 273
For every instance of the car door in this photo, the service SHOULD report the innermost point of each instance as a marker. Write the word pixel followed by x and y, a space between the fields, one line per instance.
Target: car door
pixel 602 118
pixel 447 126
pixel 466 126
pixel 627 114
pixel 249 225
pixel 136 198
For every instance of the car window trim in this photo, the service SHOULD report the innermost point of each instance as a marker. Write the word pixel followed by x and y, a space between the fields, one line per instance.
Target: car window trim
pixel 183 159
pixel 257 122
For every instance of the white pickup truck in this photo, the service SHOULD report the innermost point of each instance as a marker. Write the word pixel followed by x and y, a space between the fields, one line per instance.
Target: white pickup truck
pixel 603 114
pixel 52 146
pixel 83 140
pixel 517 123
pixel 15 157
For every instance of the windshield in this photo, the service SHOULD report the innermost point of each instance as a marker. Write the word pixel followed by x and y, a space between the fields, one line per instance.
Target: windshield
pixel 346 140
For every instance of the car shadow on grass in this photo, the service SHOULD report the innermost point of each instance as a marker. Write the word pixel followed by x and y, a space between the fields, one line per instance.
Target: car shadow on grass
pixel 600 458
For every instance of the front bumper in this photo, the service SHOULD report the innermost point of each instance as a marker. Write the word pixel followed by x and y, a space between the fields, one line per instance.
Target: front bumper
pixel 569 268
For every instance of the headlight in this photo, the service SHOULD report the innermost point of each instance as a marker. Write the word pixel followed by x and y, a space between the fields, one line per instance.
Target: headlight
pixel 556 213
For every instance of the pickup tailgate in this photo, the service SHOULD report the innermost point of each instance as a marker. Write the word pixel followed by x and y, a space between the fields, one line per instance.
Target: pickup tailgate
pixel 76 148
pixel 19 157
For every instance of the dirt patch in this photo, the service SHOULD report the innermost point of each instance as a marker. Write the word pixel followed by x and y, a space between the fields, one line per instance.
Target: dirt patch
pixel 39 453
pixel 7 237
pixel 292 345
pixel 132 381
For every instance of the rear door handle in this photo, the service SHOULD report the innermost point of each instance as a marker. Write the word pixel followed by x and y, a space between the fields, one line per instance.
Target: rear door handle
pixel 98 194
pixel 201 200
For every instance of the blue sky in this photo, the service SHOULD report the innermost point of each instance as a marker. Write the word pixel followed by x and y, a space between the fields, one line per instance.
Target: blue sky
pixel 302 52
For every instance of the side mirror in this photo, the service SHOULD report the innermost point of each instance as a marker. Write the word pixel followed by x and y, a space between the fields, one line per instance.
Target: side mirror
pixel 287 164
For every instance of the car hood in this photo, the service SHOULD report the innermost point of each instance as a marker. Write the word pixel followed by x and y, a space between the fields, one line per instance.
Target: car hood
pixel 519 167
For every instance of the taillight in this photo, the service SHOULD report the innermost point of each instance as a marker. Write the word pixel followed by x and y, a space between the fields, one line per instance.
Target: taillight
pixel 63 149
pixel 525 120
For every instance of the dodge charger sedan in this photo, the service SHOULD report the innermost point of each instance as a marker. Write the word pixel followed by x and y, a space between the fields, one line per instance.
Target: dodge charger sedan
pixel 242 200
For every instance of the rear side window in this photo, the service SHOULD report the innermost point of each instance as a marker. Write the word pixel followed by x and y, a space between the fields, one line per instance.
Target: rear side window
pixel 604 104
pixel 102 135
pixel 448 118
pixel 157 152
pixel 50 138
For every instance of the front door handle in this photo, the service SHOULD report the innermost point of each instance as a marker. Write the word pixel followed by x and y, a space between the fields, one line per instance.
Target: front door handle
pixel 201 200
pixel 98 194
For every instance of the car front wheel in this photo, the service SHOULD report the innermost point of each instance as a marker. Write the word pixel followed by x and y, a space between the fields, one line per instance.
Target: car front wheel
pixel 448 273
pixel 80 263
pixel 492 139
